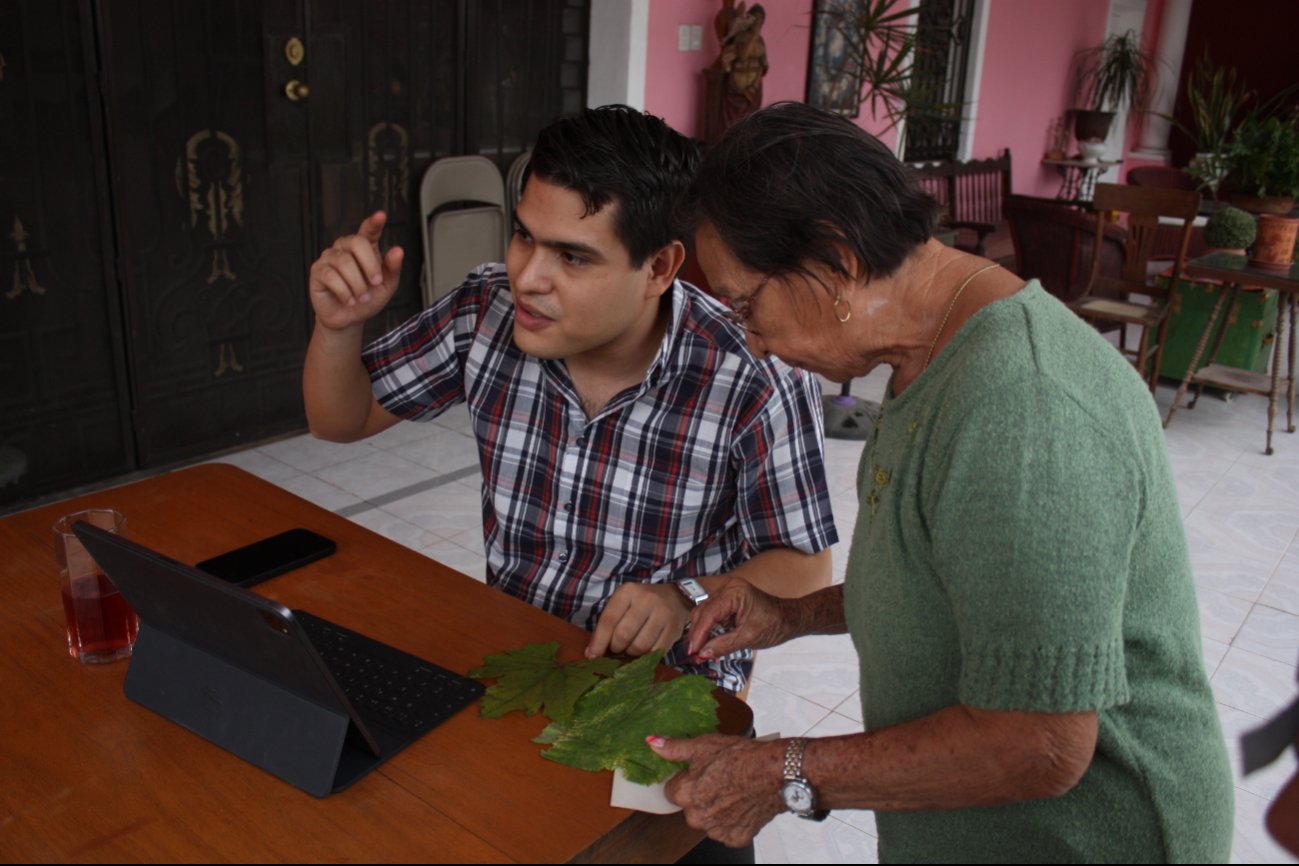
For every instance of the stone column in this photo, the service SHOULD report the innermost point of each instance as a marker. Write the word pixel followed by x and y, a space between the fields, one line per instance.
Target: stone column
pixel 1168 64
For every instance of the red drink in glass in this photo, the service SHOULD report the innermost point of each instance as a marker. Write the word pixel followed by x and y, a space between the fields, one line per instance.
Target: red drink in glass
pixel 101 625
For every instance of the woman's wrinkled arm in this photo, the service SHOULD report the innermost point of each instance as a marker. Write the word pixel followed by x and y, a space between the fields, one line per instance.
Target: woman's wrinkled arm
pixel 958 757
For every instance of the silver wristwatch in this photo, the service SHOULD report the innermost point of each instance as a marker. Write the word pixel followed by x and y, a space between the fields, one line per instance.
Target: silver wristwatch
pixel 797 791
pixel 693 590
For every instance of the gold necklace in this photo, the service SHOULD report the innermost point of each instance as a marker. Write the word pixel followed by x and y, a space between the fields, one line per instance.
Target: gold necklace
pixel 956 297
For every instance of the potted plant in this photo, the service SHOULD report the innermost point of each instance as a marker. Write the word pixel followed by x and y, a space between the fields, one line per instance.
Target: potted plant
pixel 1263 176
pixel 1216 95
pixel 1114 74
pixel 1230 229
pixel 1263 163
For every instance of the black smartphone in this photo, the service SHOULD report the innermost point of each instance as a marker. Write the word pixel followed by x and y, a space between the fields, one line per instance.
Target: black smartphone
pixel 264 559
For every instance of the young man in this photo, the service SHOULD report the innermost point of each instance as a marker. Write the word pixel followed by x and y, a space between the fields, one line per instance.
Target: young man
pixel 628 438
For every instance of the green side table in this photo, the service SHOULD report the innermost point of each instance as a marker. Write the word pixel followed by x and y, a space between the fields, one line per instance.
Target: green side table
pixel 1251 326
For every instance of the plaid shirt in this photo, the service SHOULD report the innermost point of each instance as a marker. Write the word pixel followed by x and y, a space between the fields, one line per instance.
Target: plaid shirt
pixel 714 457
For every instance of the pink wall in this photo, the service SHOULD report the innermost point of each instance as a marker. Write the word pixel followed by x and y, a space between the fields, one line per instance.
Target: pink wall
pixel 674 79
pixel 1026 79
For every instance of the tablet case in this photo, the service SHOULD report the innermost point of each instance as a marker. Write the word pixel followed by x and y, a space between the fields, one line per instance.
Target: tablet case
pixel 238 670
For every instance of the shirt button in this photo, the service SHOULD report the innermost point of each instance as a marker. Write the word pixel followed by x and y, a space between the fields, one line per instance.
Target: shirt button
pixel 563 557
pixel 568 506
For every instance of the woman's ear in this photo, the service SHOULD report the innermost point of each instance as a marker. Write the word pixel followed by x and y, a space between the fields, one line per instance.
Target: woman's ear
pixel 849 260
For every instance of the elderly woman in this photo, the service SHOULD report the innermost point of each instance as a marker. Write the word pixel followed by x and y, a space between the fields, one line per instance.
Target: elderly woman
pixel 1018 590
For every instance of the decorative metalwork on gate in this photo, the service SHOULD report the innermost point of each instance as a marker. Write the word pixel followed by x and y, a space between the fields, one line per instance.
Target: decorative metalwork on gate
pixel 209 175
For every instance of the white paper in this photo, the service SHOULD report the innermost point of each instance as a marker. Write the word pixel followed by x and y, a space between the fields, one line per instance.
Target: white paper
pixel 642 798
pixel 648 798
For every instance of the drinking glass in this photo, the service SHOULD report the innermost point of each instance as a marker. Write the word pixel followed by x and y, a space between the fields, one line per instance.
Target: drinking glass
pixel 101 625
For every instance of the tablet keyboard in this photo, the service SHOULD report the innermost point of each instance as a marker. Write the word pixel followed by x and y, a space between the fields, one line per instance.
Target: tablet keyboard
pixel 385 684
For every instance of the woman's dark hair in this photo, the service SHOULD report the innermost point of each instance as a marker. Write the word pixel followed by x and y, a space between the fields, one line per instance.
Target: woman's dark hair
pixel 787 183
pixel 618 154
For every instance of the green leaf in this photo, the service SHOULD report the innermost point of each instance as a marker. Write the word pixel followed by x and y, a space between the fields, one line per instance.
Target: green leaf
pixel 531 677
pixel 610 724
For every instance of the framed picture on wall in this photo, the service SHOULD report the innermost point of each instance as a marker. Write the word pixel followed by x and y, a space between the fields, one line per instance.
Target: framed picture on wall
pixel 833 73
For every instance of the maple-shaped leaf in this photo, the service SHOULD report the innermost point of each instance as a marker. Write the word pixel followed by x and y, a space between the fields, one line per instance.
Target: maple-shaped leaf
pixel 531 677
pixel 610 724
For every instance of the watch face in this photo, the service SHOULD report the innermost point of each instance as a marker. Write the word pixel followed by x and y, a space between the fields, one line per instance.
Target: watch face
pixel 693 590
pixel 797 796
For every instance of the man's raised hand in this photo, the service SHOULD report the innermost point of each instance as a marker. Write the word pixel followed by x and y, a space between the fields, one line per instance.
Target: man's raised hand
pixel 352 280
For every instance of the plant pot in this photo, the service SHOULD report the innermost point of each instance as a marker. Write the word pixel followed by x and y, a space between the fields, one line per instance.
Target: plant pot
pixel 1262 204
pixel 1091 125
pixel 1091 151
pixel 1274 245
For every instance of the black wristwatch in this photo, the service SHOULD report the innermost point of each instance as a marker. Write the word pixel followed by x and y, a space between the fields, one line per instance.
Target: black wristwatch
pixel 693 590
pixel 797 791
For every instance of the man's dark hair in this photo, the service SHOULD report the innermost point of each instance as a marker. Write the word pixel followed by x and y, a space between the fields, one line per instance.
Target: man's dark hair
pixel 616 154
pixel 787 183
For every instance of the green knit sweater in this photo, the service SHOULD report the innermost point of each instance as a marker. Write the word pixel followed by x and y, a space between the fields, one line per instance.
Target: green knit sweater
pixel 1019 546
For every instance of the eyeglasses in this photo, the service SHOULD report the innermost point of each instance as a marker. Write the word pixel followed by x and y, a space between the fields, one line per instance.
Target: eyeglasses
pixel 740 309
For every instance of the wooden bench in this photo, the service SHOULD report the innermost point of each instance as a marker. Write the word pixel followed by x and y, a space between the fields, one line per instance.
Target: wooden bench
pixel 972 195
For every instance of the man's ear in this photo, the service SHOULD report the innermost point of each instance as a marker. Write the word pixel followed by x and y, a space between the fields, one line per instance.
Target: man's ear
pixel 663 266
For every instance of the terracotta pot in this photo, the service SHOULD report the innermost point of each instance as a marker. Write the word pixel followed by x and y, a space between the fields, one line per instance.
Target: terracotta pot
pixel 1274 245
pixel 1261 204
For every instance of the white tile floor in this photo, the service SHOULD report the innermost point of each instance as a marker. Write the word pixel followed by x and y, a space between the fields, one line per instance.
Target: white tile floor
pixel 418 484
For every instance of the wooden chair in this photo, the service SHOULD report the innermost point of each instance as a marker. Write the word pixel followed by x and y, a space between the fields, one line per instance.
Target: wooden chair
pixel 1110 299
pixel 1166 237
pixel 1053 244
pixel 1162 176
pixel 971 194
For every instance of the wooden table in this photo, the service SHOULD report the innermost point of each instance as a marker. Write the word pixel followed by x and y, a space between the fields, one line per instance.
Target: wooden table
pixel 87 775
pixel 1234 271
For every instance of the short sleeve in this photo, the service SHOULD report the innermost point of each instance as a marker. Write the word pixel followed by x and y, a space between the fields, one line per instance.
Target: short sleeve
pixel 417 370
pixel 1033 514
pixel 783 499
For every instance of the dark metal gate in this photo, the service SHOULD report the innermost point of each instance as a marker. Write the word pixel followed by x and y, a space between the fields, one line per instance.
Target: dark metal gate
pixel 169 170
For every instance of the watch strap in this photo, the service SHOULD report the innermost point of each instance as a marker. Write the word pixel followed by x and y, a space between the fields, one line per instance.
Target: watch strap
pixel 794 758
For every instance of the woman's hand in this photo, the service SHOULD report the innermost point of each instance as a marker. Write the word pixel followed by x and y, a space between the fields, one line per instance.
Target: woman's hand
pixel 760 620
pixel 732 788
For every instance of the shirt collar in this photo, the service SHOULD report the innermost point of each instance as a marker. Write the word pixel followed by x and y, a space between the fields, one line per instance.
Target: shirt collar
pixel 662 363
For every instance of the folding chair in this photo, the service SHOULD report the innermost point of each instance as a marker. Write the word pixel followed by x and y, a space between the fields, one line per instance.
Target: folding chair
pixel 463 218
